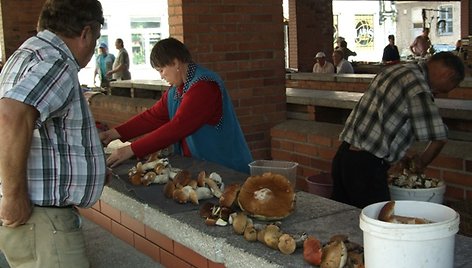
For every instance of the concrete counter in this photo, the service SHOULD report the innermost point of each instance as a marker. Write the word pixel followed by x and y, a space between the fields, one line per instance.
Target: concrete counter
pixel 313 214
pixel 152 89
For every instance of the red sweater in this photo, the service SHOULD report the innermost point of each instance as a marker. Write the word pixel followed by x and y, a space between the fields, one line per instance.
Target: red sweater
pixel 201 104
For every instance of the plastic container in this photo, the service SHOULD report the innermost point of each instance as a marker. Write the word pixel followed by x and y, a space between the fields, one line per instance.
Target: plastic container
pixel 410 245
pixel 435 195
pixel 320 184
pixel 285 168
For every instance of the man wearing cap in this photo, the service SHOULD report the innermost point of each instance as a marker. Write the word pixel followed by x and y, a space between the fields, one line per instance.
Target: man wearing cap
pixel 321 65
pixel 104 64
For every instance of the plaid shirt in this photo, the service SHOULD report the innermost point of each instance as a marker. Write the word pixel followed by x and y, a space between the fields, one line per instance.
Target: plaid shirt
pixel 66 164
pixel 397 108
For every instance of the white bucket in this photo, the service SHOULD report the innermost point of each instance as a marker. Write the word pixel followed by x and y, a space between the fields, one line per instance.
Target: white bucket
pixel 435 194
pixel 410 245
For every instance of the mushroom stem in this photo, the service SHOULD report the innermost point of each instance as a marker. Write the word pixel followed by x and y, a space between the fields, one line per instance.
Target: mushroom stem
pixel 214 187
pixel 203 193
pixel 153 164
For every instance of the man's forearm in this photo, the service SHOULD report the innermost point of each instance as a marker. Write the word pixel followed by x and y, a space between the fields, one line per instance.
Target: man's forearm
pixel 18 121
pixel 432 150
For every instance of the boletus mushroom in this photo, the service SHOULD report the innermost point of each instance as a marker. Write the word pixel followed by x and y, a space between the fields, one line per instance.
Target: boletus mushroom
pixel 269 196
pixel 334 255
pixel 312 250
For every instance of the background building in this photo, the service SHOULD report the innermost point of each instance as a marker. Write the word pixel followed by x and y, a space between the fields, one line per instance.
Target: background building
pixel 140 28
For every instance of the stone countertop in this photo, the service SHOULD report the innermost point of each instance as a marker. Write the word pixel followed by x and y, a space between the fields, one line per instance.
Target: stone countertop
pixel 150 84
pixel 448 108
pixel 359 78
pixel 181 222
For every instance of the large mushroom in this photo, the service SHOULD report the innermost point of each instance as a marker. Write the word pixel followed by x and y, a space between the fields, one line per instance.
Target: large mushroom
pixel 268 196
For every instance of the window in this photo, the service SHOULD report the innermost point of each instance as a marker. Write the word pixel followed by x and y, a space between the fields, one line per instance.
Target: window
pixel 145 32
pixel 445 23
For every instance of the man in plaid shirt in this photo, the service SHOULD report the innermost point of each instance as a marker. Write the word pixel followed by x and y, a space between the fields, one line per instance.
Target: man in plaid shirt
pixel 397 109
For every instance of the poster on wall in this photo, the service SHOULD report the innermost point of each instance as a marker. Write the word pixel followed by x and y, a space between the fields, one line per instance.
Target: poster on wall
pixel 364 26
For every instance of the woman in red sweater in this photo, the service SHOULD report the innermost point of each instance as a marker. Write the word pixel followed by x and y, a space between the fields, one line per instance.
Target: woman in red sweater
pixel 196 115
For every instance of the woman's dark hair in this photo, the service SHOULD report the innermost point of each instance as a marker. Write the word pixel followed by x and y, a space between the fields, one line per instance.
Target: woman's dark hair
pixel 452 62
pixel 69 17
pixel 166 50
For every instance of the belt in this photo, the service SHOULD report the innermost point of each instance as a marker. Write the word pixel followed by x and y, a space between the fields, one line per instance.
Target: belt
pixel 348 146
pixel 68 206
pixel 353 148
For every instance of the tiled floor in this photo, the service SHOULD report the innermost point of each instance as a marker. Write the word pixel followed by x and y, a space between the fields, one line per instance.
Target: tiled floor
pixel 106 250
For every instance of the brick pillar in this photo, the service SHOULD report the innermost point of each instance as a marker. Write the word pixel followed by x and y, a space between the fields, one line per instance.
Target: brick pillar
pixel 310 31
pixel 244 43
pixel 466 18
pixel 18 23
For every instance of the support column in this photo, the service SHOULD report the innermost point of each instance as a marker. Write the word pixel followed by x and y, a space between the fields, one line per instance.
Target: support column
pixel 243 41
pixel 18 23
pixel 310 31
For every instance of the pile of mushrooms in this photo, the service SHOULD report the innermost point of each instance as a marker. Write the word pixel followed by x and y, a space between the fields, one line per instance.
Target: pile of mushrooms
pixel 218 214
pixel 339 252
pixel 183 189
pixel 155 170
pixel 270 235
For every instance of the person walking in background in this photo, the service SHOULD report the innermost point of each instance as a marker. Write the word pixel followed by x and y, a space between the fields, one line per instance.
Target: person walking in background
pixel 195 115
pixel 121 64
pixel 346 51
pixel 396 109
pixel 421 44
pixel 390 52
pixel 322 65
pixel 103 65
pixel 342 66
pixel 51 157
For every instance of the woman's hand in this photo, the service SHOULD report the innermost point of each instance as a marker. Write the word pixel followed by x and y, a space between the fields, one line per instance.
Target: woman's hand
pixel 108 136
pixel 120 155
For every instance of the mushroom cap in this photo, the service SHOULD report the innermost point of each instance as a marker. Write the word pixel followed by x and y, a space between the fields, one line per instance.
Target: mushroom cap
pixel 334 255
pixel 268 196
pixel 387 211
pixel 287 244
pixel 228 198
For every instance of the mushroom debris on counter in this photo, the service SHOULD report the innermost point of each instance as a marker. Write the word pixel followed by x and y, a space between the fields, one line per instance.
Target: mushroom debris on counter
pixel 183 188
pixel 269 196
pixel 269 234
pixel 154 170
pixel 339 252
pixel 411 180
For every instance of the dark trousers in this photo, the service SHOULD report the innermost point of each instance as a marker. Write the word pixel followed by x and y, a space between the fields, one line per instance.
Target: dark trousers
pixel 359 177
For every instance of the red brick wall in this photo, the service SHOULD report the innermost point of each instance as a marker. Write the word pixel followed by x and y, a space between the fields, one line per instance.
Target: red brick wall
pixel 145 239
pixel 310 31
pixel 313 146
pixel 243 43
pixel 466 18
pixel 19 19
